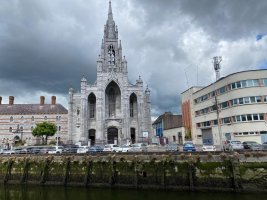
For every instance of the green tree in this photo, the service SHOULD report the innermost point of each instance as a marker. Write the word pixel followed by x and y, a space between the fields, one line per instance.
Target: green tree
pixel 44 129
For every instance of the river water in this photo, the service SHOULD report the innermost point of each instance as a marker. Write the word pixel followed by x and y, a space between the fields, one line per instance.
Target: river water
pixel 80 193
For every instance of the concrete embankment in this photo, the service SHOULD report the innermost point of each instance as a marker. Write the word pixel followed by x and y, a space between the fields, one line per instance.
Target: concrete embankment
pixel 225 172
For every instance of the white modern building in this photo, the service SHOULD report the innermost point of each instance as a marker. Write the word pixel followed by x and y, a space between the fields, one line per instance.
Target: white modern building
pixel 232 108
pixel 110 110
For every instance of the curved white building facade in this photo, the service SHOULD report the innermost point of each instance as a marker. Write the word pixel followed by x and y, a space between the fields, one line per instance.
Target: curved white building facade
pixel 234 108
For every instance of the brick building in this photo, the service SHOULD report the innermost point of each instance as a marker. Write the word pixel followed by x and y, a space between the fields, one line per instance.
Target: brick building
pixel 18 120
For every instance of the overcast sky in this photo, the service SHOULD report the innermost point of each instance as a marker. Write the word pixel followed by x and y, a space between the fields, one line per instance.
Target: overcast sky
pixel 46 46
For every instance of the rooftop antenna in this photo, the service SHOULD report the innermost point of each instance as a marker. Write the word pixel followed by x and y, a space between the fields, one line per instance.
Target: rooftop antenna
pixel 216 63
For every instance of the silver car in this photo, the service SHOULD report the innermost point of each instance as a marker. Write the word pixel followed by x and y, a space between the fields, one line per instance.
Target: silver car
pixel 232 145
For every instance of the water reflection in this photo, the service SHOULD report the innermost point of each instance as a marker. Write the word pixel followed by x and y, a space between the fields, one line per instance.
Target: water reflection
pixel 78 193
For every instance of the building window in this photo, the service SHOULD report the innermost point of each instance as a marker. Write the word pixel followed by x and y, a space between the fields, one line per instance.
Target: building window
pixel 249 117
pixel 224 105
pixel 112 102
pixel 258 99
pixel 238 118
pixel 45 118
pixel 10 129
pixel 252 99
pixel 246 100
pixel 255 117
pixel 32 128
pixel 11 119
pixel 111 55
pixel 264 81
pixel 59 118
pixel 244 118
pixel 238 84
pixel 56 118
pixel 22 118
pixel 265 98
pixel 261 116
pixel 59 128
pixel 32 118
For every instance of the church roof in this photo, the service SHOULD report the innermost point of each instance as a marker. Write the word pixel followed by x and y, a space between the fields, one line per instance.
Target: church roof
pixel 32 109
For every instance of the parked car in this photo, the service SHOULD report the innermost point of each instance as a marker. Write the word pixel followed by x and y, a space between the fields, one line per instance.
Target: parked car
pixel 264 146
pixel 252 145
pixel 56 150
pixel 138 147
pixel 189 146
pixel 3 150
pixel 96 149
pixel 70 149
pixel 110 148
pixel 83 149
pixel 124 148
pixel 172 147
pixel 232 145
pixel 208 147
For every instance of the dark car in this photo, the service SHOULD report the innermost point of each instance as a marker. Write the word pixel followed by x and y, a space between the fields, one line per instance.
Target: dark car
pixel 264 146
pixel 252 145
pixel 189 146
pixel 96 149
pixel 172 147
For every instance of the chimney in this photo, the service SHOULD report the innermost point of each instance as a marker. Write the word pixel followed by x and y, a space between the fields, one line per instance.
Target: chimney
pixel 11 100
pixel 53 100
pixel 42 100
pixel 0 100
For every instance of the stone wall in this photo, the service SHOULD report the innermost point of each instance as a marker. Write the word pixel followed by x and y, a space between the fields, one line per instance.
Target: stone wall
pixel 175 172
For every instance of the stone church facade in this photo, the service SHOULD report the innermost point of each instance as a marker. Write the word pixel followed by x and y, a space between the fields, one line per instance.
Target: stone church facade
pixel 111 110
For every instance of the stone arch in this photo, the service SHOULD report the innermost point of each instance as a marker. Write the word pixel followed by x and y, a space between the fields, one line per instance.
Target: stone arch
pixel 92 106
pixel 133 105
pixel 113 100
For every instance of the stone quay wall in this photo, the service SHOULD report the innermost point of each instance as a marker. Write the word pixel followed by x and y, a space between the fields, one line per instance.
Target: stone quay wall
pixel 225 172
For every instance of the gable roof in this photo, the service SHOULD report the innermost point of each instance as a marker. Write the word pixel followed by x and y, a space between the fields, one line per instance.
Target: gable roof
pixel 32 109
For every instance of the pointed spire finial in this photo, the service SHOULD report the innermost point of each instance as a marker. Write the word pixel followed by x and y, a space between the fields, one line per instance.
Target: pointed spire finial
pixel 110 16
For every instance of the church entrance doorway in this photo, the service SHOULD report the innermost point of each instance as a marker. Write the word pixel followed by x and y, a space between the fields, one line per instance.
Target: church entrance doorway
pixel 91 136
pixel 133 135
pixel 112 135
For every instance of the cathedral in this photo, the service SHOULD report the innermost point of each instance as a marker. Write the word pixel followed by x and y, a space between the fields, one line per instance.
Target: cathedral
pixel 111 110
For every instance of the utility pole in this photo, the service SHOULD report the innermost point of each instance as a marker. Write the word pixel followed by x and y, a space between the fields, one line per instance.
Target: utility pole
pixel 216 63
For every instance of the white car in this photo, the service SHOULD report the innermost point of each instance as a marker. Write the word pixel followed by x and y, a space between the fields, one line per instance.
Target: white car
pixel 55 150
pixel 138 147
pixel 111 148
pixel 208 147
pixel 124 148
pixel 83 149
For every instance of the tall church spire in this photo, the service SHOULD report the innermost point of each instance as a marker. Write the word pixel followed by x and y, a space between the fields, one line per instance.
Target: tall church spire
pixel 110 28
pixel 110 16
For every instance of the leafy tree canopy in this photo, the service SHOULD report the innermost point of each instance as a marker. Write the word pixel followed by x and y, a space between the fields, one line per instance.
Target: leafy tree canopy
pixel 44 129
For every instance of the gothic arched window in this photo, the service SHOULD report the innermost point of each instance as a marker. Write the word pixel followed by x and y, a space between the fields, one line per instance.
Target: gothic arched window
pixel 111 55
pixel 92 105
pixel 111 102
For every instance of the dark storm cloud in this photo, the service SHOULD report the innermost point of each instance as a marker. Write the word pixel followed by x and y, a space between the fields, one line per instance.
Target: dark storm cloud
pixel 48 45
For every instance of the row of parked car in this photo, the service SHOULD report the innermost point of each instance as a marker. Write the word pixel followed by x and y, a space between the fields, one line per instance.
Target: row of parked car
pixel 232 145
pixel 137 147
pixel 229 145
